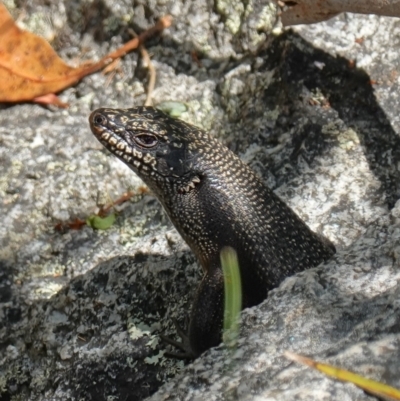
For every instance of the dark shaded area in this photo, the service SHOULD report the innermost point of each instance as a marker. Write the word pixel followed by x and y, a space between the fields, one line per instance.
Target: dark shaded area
pixel 6 280
pixel 10 309
pixel 127 384
pixel 88 378
pixel 301 72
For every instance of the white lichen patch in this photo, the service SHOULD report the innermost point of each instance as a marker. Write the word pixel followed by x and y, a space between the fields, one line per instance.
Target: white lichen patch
pixel 137 330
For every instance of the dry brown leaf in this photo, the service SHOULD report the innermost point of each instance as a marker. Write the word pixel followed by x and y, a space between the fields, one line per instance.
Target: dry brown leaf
pixel 30 68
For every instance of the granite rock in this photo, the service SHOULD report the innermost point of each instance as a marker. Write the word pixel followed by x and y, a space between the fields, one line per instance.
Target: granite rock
pixel 314 111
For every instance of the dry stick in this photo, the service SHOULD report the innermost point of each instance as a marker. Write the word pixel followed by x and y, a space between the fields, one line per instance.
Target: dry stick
pixel 152 75
pixel 150 67
pixel 112 69
pixel 126 196
pixel 162 23
pixel 311 11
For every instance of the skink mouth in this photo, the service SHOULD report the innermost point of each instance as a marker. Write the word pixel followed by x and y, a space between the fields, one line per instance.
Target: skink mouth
pixel 102 128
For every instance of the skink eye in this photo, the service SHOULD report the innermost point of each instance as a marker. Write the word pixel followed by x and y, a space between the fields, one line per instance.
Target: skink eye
pixel 146 140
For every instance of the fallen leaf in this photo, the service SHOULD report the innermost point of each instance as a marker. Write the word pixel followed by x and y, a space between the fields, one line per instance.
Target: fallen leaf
pixel 30 68
pixel 372 386
pixel 50 98
pixel 173 109
pixel 101 223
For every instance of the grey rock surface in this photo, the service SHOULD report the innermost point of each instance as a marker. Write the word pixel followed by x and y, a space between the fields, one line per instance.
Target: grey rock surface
pixel 314 111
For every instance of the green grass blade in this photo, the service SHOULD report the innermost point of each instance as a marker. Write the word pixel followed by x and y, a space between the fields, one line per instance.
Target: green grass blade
pixel 233 295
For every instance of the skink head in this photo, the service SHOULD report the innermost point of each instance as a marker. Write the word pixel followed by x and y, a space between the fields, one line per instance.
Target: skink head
pixel 154 145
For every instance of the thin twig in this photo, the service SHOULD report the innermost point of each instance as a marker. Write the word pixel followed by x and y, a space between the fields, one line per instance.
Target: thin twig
pixel 152 71
pixel 152 75
pixel 161 24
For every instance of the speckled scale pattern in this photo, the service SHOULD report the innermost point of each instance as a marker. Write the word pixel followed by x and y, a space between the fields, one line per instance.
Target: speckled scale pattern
pixel 214 200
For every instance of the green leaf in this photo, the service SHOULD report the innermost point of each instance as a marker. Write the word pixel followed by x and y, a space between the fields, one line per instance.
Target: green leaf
pixel 173 109
pixel 101 223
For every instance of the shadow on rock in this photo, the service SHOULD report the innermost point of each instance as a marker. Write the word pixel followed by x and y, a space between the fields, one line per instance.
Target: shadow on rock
pixel 98 337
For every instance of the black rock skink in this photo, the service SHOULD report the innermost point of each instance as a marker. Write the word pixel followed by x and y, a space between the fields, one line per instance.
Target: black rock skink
pixel 214 200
